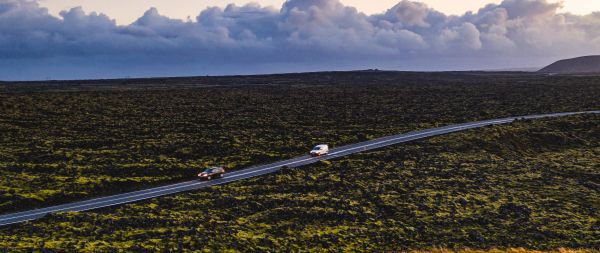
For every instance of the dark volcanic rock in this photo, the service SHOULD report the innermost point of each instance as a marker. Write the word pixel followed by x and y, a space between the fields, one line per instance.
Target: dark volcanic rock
pixel 580 65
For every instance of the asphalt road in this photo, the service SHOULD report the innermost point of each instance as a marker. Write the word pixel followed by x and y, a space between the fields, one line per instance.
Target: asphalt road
pixel 262 169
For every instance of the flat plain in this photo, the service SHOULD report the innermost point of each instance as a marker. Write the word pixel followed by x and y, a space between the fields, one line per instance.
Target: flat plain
pixel 532 184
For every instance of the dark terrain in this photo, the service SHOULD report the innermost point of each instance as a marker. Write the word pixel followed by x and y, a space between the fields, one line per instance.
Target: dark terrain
pixel 531 184
pixel 580 65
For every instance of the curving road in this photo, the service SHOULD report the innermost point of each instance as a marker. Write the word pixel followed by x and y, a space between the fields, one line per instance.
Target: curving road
pixel 262 169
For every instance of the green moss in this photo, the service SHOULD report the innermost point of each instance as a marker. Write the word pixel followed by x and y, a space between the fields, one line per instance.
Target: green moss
pixel 531 184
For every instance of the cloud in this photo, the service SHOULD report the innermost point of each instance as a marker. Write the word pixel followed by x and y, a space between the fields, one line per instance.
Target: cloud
pixel 465 37
pixel 302 35
pixel 409 14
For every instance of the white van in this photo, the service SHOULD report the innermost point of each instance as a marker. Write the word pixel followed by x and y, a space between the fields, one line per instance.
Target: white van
pixel 320 150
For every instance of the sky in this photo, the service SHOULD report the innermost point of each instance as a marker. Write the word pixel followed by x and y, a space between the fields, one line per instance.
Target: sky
pixel 85 39
pixel 182 9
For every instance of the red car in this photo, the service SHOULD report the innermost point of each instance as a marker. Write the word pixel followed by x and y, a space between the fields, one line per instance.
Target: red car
pixel 210 173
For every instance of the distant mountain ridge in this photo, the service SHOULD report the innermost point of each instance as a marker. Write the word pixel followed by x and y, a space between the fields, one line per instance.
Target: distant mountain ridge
pixel 579 65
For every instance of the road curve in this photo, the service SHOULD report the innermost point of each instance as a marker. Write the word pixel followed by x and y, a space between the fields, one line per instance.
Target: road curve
pixel 263 169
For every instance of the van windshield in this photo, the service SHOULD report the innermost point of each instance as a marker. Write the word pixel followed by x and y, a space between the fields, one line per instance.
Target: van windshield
pixel 317 148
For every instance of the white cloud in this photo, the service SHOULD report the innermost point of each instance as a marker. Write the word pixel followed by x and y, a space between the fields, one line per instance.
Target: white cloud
pixel 302 35
pixel 409 14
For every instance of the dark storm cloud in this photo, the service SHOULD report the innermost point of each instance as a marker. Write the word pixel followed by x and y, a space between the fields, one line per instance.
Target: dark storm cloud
pixel 302 35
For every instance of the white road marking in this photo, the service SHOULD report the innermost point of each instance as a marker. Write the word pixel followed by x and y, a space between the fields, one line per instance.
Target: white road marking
pixel 277 166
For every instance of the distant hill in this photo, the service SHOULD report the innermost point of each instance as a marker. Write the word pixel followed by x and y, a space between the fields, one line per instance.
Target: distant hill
pixel 580 65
